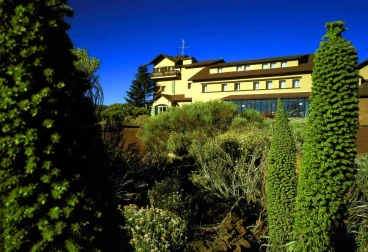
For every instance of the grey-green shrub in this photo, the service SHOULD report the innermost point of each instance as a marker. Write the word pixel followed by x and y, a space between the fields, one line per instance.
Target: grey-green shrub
pixel 154 229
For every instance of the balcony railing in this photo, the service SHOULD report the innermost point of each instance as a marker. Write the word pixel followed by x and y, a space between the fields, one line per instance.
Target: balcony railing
pixel 166 74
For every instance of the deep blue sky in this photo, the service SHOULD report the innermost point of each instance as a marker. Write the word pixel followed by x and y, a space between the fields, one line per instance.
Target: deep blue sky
pixel 127 33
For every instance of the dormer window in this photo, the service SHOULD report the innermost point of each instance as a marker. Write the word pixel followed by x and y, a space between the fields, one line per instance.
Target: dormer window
pixel 264 65
pixel 284 64
pixel 273 65
pixel 239 68
pixel 247 67
pixel 219 70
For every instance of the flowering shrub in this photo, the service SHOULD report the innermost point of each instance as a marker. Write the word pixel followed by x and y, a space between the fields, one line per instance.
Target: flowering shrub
pixel 154 229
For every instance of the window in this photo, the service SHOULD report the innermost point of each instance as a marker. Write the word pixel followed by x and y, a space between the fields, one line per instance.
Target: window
pixel 204 88
pixel 219 70
pixel 255 85
pixel 296 84
pixel 269 84
pixel 265 66
pixel 189 85
pixel 284 64
pixel 273 65
pixel 282 84
pixel 239 68
pixel 237 86
pixel 158 70
pixel 247 67
pixel 224 87
pixel 160 109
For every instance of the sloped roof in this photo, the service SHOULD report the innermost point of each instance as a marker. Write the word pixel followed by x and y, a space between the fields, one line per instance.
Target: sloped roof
pixel 172 58
pixel 202 63
pixel 305 66
pixel 363 64
pixel 263 60
pixel 267 96
pixel 174 98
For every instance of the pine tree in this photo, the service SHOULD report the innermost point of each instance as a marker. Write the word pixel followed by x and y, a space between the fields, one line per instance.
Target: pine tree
pixel 142 88
pixel 281 182
pixel 54 190
pixel 328 163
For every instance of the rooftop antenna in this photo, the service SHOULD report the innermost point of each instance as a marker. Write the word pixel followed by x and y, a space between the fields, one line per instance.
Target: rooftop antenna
pixel 182 47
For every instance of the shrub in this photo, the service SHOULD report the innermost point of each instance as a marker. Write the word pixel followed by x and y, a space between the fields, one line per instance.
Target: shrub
pixel 141 119
pixel 231 167
pixel 167 195
pixel 154 229
pixel 199 120
pixel 113 114
pixel 328 164
pixel 252 115
pixel 358 210
pixel 281 182
pixel 55 195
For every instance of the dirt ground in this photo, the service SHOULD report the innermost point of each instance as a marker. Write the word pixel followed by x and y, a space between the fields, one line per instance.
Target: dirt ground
pixel 362 142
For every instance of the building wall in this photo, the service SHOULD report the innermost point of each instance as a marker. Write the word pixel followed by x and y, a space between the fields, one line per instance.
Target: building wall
pixel 246 87
pixel 164 62
pixel 363 111
pixel 364 72
pixel 290 63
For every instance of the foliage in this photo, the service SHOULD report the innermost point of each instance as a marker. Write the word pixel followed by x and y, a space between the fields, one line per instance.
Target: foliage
pixel 154 229
pixel 167 195
pixel 142 88
pixel 252 115
pixel 55 195
pixel 329 152
pixel 231 167
pixel 133 111
pixel 140 120
pixel 89 66
pixel 230 235
pixel 113 114
pixel 281 182
pixel 358 209
pixel 199 120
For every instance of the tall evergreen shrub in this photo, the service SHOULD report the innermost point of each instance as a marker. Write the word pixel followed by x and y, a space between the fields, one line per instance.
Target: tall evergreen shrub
pixel 328 163
pixel 281 182
pixel 53 188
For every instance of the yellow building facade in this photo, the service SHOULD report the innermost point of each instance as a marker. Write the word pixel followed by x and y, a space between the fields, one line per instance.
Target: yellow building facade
pixel 255 84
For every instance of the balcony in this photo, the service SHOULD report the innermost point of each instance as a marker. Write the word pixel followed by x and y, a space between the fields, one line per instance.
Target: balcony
pixel 165 75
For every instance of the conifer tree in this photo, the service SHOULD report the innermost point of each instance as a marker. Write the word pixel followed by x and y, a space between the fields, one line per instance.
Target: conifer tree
pixel 328 162
pixel 54 190
pixel 141 90
pixel 281 182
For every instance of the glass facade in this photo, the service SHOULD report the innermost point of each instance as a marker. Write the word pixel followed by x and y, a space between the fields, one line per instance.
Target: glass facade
pixel 295 107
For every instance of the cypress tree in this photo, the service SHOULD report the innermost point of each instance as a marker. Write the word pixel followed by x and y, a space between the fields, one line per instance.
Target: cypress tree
pixel 328 162
pixel 281 182
pixel 141 90
pixel 54 193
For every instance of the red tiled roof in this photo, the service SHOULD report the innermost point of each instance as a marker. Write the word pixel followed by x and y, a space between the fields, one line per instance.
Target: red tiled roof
pixel 201 63
pixel 174 98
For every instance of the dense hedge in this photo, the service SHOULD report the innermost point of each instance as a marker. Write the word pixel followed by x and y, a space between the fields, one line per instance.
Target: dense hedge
pixel 328 163
pixel 53 187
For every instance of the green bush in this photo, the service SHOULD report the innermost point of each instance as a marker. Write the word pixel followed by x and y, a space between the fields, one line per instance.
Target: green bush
pixel 54 187
pixel 231 166
pixel 281 182
pixel 167 195
pixel 252 115
pixel 328 164
pixel 113 114
pixel 199 120
pixel 358 210
pixel 154 229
